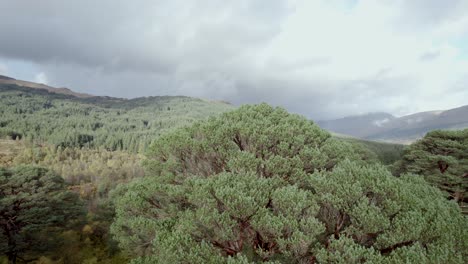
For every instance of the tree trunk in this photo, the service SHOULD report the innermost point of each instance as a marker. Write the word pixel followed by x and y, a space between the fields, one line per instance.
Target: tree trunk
pixel 458 197
pixel 12 252
pixel 442 167
pixel 11 257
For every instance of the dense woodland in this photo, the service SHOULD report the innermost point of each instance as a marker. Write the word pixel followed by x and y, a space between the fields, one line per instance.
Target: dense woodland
pixel 174 180
pixel 115 124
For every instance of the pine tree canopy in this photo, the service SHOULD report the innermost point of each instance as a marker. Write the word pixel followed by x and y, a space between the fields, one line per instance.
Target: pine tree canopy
pixel 442 158
pixel 34 204
pixel 260 185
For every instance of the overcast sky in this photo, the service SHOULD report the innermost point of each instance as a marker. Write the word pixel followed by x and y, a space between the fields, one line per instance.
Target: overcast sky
pixel 323 59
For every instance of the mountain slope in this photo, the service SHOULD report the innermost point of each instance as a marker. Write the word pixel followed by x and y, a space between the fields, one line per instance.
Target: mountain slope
pixel 357 126
pixel 68 120
pixel 5 80
pixel 406 129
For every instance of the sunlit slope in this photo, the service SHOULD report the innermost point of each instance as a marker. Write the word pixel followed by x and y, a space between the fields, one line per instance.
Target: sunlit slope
pixel 114 123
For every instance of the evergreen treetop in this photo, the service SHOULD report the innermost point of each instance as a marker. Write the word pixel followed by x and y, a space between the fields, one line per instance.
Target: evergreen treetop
pixel 261 185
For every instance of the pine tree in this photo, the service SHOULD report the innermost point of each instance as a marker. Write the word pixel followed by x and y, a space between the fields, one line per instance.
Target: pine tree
pixel 34 204
pixel 442 158
pixel 261 185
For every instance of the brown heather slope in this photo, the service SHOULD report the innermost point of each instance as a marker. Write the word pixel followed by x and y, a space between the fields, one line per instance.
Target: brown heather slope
pixel 66 91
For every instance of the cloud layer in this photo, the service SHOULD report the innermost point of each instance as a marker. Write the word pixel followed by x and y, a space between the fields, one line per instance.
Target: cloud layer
pixel 323 59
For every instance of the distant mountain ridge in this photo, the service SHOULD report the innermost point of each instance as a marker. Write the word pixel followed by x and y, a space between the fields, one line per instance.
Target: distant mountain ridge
pixel 2 77
pixel 353 125
pixel 63 90
pixel 405 129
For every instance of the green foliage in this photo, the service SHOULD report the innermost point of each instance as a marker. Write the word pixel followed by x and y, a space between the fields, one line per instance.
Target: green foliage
pixel 34 204
pixel 9 149
pixel 91 143
pixel 261 185
pixel 91 172
pixel 269 141
pixel 442 158
pixel 386 153
pixel 384 218
pixel 87 246
pixel 112 123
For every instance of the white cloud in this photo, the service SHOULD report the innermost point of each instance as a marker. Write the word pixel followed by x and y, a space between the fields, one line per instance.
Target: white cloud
pixel 41 78
pixel 381 122
pixel 3 69
pixel 367 42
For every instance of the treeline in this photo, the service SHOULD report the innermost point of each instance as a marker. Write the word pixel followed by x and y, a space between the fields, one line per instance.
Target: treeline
pixel 115 124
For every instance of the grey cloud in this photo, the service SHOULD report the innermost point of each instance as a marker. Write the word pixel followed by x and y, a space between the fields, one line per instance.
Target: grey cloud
pixel 317 99
pixel 300 64
pixel 3 69
pixel 154 36
pixel 429 56
pixel 204 48
pixel 425 14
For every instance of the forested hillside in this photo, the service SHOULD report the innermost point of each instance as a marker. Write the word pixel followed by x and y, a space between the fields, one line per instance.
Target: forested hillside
pixel 40 116
pixel 94 144
pixel 155 180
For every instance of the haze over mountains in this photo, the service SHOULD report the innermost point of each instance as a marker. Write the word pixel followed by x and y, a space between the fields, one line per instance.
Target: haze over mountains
pixel 406 129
